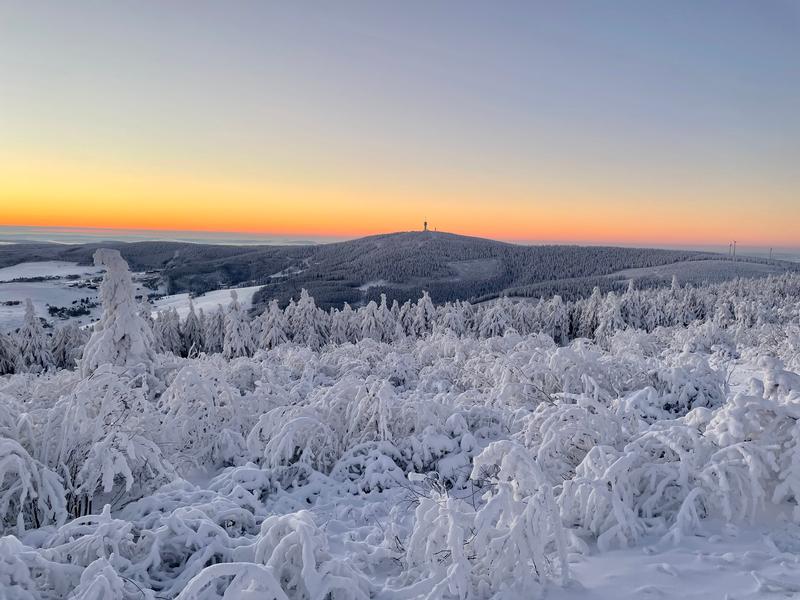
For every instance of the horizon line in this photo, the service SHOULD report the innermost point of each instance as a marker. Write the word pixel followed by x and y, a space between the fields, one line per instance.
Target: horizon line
pixel 299 238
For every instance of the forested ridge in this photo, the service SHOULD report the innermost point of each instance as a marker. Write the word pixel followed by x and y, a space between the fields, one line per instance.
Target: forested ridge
pixel 450 267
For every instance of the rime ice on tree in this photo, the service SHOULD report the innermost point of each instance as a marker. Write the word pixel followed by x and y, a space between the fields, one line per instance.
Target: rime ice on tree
pixel 121 337
pixel 34 353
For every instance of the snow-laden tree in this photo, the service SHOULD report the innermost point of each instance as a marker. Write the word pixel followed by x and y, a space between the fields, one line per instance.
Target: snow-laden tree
pixel 168 332
pixel 340 326
pixel 452 319
pixel 9 355
pixel 67 346
pixel 496 319
pixel 386 319
pixel 309 324
pixel 273 329
pixel 214 334
pixel 288 312
pixel 371 325
pixel 33 345
pixel 590 314
pixel 632 312
pixel 610 318
pixel 350 322
pixel 556 320
pixel 192 333
pixel 121 337
pixel 238 339
pixel 406 317
pixel 423 316
pixel 146 310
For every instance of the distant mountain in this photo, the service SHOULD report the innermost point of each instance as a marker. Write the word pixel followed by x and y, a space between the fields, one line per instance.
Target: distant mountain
pixel 400 265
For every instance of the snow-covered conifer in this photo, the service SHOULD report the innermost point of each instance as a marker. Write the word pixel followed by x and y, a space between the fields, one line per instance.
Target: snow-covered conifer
pixel 214 334
pixel 339 327
pixel 67 346
pixel 590 314
pixel 274 327
pixel 34 350
pixel 168 332
pixel 121 337
pixel 496 319
pixel 238 336
pixel 192 333
pixel 423 315
pixel 371 327
pixel 309 323
pixel 9 355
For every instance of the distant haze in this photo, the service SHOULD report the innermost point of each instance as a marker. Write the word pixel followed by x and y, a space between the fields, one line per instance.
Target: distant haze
pixel 84 235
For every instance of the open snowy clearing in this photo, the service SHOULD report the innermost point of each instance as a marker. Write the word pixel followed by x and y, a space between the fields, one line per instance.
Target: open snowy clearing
pixel 41 294
pixel 49 268
pixel 698 271
pixel 64 286
pixel 209 301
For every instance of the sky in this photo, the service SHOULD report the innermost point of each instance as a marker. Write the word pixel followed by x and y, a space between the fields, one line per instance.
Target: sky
pixel 600 122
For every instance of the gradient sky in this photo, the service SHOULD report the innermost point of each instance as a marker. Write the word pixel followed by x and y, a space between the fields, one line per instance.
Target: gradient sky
pixel 635 122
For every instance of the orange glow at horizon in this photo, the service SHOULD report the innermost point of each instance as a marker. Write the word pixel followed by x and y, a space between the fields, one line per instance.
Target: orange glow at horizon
pixel 51 193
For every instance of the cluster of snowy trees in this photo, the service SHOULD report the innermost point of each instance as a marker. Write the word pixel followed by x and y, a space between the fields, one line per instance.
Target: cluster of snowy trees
pixel 442 452
pixel 739 303
pixel 31 349
pixel 231 331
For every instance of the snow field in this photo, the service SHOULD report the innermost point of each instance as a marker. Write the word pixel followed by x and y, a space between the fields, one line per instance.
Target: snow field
pixel 209 301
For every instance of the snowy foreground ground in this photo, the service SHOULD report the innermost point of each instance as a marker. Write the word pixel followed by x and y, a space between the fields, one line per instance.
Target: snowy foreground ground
pixel 441 452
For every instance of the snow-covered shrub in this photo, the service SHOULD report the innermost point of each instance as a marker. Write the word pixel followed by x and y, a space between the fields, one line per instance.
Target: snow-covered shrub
pixel 30 494
pixel 371 466
pixel 92 537
pixel 561 434
pixel 296 551
pixel 98 438
pixel 512 544
pixel 202 414
pixel 233 580
pixel 99 581
pixel 427 462
pixel 25 574
pixel 284 437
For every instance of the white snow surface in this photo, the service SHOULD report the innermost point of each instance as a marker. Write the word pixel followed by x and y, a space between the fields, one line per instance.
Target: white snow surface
pixel 54 292
pixel 59 291
pixel 50 268
pixel 411 462
pixel 41 294
pixel 209 301
pixel 725 563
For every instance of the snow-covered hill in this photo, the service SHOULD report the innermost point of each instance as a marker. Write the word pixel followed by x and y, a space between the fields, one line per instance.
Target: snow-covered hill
pixel 448 266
